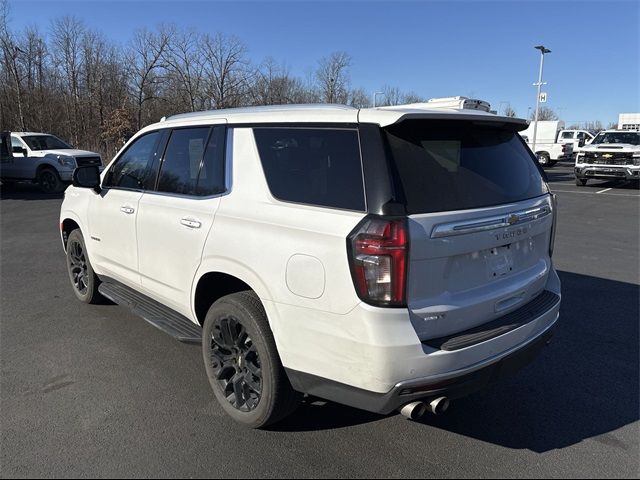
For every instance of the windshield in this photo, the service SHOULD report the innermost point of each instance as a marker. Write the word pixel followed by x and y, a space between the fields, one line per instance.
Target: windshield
pixel 632 138
pixel 45 142
pixel 456 165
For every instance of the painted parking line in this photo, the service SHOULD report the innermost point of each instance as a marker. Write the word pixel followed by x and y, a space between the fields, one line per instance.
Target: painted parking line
pixel 595 193
pixel 605 190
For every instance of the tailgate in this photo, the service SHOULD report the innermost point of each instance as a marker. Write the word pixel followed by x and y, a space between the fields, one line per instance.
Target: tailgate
pixel 467 268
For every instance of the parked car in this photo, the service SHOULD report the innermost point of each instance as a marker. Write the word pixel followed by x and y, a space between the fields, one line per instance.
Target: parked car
pixel 43 159
pixel 388 258
pixel 550 147
pixel 613 154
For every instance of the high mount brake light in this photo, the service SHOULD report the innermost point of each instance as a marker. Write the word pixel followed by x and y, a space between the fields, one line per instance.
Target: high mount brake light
pixel 378 250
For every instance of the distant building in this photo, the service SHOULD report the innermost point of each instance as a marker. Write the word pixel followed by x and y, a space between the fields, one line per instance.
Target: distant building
pixel 629 121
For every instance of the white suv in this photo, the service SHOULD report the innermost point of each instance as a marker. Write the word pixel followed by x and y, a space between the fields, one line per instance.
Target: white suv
pixel 387 259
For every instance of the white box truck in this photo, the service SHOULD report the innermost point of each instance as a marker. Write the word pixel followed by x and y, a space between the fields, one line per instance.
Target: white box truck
pixel 548 148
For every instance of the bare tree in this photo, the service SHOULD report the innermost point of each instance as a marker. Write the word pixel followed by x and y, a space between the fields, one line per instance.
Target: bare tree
pixel 509 111
pixel 66 38
pixel 391 96
pixel 333 78
pixel 144 64
pixel 412 97
pixel 544 113
pixel 360 98
pixel 11 53
pixel 226 69
pixel 184 60
pixel 274 85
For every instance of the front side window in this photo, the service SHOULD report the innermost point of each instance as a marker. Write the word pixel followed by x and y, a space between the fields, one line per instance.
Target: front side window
pixel 45 142
pixel 456 165
pixel 314 166
pixel 16 143
pixel 182 161
pixel 131 169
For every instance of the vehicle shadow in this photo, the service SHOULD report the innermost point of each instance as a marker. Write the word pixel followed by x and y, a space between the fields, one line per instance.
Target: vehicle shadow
pixel 584 385
pixel 558 176
pixel 25 191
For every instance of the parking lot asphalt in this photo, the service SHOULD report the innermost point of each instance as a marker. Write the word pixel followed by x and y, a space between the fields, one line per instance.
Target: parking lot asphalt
pixel 95 391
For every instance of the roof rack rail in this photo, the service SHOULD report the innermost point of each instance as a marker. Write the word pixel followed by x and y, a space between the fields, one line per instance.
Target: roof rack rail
pixel 262 108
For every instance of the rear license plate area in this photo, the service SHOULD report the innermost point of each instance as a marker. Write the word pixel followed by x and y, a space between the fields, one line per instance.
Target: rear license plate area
pixel 499 261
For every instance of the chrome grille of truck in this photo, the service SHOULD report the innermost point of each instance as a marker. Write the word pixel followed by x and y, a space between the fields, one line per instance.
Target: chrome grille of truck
pixel 87 161
pixel 614 158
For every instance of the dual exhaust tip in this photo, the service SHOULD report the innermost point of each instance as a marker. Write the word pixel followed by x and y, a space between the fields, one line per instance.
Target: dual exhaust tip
pixel 415 410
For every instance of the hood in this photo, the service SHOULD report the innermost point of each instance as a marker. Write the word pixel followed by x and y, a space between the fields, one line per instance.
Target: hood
pixel 611 147
pixel 67 152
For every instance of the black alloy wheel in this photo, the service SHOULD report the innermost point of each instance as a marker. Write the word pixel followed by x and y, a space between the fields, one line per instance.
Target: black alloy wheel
pixel 78 266
pixel 236 364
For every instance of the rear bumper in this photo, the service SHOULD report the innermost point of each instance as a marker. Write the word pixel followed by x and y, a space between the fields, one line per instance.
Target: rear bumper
pixel 373 359
pixel 453 386
pixel 622 172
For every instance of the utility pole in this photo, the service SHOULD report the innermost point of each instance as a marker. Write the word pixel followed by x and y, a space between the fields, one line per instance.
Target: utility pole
pixel 539 84
pixel 375 95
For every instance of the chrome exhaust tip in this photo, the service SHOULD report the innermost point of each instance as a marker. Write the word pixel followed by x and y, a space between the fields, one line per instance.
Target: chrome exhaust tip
pixel 413 410
pixel 439 405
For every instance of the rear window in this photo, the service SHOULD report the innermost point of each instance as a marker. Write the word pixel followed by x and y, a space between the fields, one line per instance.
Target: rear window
pixel 315 166
pixel 442 166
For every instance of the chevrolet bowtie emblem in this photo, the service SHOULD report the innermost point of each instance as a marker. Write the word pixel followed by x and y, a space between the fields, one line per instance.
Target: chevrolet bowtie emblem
pixel 607 155
pixel 512 219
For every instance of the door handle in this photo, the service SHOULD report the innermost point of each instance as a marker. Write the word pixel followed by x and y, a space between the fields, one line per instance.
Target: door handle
pixel 190 222
pixel 127 210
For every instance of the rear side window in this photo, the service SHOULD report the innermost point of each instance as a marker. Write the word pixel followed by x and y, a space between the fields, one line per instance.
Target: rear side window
pixel 182 161
pixel 131 168
pixel 315 166
pixel 442 166
pixel 212 174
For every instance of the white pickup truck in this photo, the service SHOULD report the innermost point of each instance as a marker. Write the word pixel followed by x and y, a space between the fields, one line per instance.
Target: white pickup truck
pixel 612 155
pixel 549 148
pixel 41 158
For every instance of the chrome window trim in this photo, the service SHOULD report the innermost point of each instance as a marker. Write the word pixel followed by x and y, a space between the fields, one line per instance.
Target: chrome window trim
pixel 490 223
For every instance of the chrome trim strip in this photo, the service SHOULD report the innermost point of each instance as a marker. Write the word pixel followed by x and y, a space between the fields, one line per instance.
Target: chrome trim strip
pixel 489 223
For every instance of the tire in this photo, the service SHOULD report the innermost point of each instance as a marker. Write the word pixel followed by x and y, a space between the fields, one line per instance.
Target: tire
pixel 49 181
pixel 83 279
pixel 544 159
pixel 237 343
pixel 581 182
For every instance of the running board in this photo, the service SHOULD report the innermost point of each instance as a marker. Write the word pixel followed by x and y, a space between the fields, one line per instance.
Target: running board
pixel 161 317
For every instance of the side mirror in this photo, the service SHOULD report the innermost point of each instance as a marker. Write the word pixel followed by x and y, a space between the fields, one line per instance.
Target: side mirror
pixel 581 142
pixel 87 177
pixel 20 150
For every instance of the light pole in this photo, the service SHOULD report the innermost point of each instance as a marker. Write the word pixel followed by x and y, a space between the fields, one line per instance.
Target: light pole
pixel 539 84
pixel 375 95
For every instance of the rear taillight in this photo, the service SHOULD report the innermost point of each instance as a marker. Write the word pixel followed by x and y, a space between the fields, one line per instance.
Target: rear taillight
pixel 554 213
pixel 379 249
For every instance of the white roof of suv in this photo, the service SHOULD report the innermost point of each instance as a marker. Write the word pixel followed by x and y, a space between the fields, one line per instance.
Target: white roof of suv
pixel 321 113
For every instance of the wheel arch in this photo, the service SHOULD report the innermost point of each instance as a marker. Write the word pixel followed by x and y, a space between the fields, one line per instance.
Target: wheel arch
pixel 68 223
pixel 213 283
pixel 45 165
